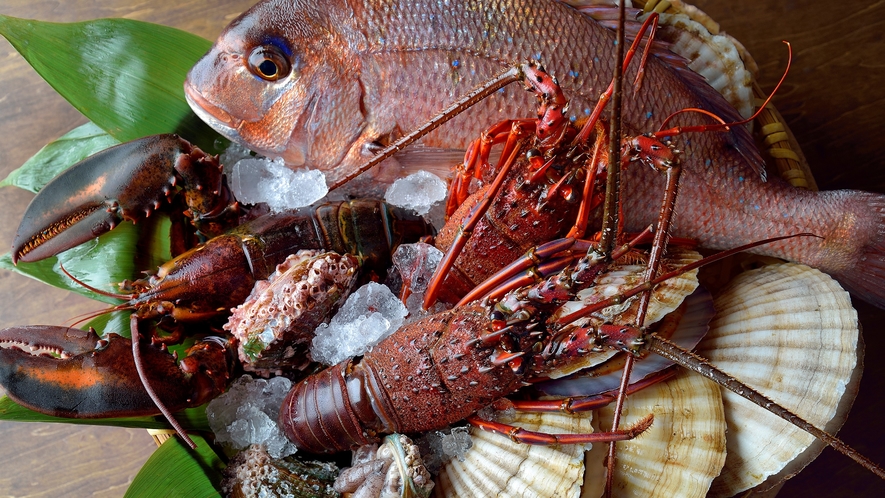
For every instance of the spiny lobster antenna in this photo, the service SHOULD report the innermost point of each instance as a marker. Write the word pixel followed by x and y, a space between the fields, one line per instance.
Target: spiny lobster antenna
pixel 697 364
pixel 139 367
pixel 611 209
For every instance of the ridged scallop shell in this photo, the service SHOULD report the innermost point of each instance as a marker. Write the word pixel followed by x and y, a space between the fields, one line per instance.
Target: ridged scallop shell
pixel 789 331
pixel 679 455
pixel 621 277
pixel 496 466
pixel 716 57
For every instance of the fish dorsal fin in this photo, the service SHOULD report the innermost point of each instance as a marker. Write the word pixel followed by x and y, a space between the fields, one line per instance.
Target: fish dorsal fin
pixel 717 73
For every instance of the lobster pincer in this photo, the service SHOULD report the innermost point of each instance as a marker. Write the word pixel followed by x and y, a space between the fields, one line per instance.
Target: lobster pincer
pixel 74 373
pixel 127 182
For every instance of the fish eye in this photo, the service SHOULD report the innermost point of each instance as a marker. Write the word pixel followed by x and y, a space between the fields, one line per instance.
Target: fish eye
pixel 269 63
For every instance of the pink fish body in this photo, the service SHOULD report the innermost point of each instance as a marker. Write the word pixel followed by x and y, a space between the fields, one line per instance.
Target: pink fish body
pixel 325 85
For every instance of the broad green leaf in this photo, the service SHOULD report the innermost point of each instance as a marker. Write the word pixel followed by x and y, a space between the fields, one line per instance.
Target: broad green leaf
pixel 175 470
pixel 57 156
pixel 192 419
pixel 125 76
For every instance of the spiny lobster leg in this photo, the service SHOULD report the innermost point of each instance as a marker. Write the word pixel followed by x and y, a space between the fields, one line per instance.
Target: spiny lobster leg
pixel 476 159
pixel 576 404
pixel 126 182
pixel 73 373
pixel 520 435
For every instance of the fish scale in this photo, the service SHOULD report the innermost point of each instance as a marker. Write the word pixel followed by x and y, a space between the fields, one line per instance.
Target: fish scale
pixel 368 71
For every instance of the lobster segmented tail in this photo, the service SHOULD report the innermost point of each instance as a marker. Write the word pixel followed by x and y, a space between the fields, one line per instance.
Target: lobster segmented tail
pixel 320 415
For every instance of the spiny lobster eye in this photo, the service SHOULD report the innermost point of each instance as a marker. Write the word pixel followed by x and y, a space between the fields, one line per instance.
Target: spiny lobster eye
pixel 269 63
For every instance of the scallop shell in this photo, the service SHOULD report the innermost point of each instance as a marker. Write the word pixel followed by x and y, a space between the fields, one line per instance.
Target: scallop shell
pixel 789 331
pixel 496 466
pixel 621 277
pixel 679 455
pixel 716 57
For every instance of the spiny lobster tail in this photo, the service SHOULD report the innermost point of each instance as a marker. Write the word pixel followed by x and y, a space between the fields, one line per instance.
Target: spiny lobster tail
pixel 314 423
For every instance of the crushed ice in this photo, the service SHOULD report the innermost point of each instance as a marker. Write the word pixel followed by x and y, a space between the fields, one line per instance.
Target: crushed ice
pixel 419 192
pixel 247 414
pixel 416 264
pixel 369 315
pixel 255 180
pixel 438 447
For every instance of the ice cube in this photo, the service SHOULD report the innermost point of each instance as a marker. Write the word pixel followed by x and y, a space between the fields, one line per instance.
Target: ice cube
pixel 369 315
pixel 247 414
pixel 255 180
pixel 418 192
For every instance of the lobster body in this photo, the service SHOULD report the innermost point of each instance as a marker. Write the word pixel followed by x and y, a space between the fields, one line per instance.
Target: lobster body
pixel 228 266
pixel 202 283
pixel 426 376
pixel 521 217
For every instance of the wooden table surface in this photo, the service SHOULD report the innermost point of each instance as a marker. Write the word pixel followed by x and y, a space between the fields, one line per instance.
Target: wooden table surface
pixel 833 101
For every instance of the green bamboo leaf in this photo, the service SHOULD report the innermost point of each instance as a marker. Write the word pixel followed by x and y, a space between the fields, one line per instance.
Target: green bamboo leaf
pixel 192 419
pixel 116 322
pixel 176 470
pixel 125 76
pixel 59 155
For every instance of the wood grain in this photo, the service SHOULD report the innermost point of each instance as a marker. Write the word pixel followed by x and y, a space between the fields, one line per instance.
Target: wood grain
pixel 49 460
pixel 833 101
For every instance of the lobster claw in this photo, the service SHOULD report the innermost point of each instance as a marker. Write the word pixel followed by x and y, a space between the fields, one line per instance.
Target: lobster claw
pixel 73 373
pixel 125 182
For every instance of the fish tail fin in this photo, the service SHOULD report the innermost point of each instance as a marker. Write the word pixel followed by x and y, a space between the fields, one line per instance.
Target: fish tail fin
pixel 865 279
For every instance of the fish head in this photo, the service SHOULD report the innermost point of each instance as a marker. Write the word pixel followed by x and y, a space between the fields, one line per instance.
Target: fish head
pixel 282 80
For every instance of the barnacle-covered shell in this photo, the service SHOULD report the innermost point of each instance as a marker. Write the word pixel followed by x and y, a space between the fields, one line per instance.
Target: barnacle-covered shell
pixel 789 331
pixel 679 455
pixel 621 277
pixel 496 466
pixel 275 325
pixel 393 470
pixel 252 472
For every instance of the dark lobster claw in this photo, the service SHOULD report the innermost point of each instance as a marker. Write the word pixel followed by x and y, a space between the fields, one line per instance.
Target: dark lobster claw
pixel 73 373
pixel 125 182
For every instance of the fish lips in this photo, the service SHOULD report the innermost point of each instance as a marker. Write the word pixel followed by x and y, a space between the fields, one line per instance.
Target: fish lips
pixel 216 117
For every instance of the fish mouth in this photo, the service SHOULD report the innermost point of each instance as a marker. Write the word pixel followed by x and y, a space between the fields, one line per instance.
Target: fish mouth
pixel 211 114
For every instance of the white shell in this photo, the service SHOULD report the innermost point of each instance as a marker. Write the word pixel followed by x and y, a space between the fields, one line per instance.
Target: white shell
pixel 789 331
pixel 496 466
pixel 716 57
pixel 679 455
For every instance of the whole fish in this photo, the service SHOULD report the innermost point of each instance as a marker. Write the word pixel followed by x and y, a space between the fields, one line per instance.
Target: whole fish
pixel 327 84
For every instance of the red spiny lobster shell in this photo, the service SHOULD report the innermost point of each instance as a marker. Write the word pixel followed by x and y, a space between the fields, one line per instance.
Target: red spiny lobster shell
pixel 426 376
